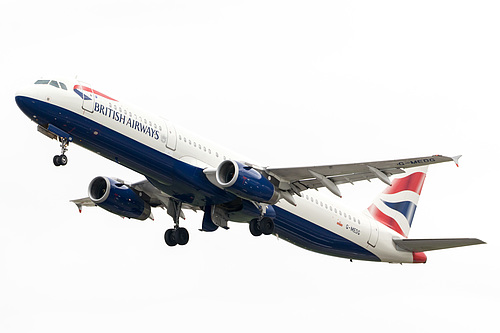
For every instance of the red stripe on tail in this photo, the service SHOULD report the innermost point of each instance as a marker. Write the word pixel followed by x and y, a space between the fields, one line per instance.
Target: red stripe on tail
pixel 413 182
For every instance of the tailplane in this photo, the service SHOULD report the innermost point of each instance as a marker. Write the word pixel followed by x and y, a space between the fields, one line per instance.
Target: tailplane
pixel 422 245
pixel 395 207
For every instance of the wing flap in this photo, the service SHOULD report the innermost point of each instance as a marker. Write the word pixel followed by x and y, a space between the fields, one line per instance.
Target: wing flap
pixel 422 245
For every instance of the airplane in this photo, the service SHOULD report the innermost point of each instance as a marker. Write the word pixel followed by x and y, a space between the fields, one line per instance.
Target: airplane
pixel 185 171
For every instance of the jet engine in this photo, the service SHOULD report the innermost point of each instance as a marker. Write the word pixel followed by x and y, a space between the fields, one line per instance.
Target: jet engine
pixel 118 198
pixel 245 182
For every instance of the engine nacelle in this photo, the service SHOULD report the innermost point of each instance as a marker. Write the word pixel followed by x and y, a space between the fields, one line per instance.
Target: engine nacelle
pixel 118 198
pixel 245 182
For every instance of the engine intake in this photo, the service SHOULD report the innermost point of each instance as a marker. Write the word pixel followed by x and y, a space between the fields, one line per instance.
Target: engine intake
pixel 118 198
pixel 245 182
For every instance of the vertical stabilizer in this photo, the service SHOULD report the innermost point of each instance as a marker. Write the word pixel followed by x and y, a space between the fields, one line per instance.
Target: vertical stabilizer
pixel 395 207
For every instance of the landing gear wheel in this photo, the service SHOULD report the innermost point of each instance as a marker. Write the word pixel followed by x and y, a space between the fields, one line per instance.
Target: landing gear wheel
pixel 170 237
pixel 60 160
pixel 181 236
pixel 266 226
pixel 255 228
pixel 63 160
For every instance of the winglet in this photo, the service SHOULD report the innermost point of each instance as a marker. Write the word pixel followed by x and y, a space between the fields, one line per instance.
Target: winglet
pixel 456 158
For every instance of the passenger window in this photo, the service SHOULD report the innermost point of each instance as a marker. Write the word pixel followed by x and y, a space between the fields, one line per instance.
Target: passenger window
pixel 54 83
pixel 63 86
pixel 42 82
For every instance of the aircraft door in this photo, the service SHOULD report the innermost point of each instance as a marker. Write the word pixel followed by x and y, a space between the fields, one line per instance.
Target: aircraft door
pixel 171 136
pixel 373 239
pixel 87 94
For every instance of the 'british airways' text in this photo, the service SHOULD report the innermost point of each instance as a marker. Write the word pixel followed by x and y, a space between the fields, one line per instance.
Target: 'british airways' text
pixel 125 120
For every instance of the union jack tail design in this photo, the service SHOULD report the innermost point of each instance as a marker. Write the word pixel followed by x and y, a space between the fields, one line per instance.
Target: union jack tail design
pixel 395 207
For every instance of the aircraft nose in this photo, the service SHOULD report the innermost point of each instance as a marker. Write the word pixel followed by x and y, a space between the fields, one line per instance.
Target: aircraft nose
pixel 21 92
pixel 26 91
pixel 25 100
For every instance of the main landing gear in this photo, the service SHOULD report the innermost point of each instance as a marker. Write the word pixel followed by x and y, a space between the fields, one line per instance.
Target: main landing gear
pixel 62 159
pixel 177 235
pixel 261 226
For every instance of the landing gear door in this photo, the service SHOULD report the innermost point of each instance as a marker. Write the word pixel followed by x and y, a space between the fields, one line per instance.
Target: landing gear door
pixel 171 136
pixel 87 94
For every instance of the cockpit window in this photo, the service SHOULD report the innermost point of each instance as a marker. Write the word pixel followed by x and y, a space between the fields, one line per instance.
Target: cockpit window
pixel 52 83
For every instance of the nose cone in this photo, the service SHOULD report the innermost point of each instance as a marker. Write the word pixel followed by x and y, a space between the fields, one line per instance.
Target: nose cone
pixel 26 101
pixel 26 91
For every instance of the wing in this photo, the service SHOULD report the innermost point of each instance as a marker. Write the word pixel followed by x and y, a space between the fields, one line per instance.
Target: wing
pixel 299 179
pixel 154 196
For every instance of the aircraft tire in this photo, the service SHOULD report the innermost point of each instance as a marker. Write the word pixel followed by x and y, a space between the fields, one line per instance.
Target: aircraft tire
pixel 255 228
pixel 170 237
pixel 59 160
pixel 181 236
pixel 63 160
pixel 266 226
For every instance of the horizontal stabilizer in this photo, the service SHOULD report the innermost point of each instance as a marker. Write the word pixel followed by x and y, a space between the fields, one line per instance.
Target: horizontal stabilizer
pixel 422 245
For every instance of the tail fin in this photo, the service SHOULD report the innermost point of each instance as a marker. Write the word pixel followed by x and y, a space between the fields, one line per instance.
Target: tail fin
pixel 395 207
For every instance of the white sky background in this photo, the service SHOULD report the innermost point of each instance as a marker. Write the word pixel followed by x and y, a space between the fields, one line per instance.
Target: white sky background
pixel 286 83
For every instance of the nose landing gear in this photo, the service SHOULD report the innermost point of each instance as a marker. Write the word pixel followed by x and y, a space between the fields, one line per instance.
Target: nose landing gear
pixel 62 159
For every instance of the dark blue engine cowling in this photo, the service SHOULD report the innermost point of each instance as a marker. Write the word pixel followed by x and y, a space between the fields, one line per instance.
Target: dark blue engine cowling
pixel 245 182
pixel 118 198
